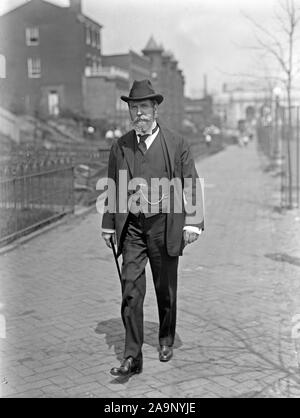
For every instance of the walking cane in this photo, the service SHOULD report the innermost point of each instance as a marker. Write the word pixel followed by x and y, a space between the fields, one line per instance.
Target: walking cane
pixel 116 258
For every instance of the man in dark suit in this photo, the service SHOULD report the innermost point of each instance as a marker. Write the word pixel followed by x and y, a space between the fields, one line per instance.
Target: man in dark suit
pixel 153 210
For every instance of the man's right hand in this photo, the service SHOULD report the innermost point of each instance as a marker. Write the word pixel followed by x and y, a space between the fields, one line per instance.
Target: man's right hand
pixel 107 237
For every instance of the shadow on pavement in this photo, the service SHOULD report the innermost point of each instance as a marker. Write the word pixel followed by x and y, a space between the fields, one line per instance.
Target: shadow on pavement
pixel 284 258
pixel 113 330
pixel 114 335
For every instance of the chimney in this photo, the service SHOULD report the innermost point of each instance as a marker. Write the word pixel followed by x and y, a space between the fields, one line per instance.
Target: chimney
pixel 75 5
pixel 205 85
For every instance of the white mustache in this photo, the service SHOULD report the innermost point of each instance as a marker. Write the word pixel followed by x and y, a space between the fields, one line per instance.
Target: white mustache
pixel 142 119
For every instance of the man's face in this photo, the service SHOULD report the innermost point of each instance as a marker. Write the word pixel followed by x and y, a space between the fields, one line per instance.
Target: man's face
pixel 142 114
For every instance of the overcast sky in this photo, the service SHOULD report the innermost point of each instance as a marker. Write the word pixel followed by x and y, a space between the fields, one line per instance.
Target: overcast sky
pixel 206 36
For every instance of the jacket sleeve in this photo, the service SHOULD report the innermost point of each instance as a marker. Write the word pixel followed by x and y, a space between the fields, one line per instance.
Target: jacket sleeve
pixel 193 189
pixel 108 219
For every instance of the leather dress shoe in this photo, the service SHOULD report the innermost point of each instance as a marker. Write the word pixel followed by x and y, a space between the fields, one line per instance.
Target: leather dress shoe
pixel 129 366
pixel 165 353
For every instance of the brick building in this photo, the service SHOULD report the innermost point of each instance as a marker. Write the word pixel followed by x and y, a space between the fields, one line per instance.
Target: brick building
pixel 162 69
pixel 167 79
pixel 46 52
pixel 102 92
pixel 51 62
pixel 137 65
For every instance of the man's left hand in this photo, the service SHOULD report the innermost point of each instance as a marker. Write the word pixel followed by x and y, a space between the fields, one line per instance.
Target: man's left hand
pixel 189 237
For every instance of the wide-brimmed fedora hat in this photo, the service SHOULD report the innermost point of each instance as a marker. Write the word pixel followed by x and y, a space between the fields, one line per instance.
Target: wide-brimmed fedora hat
pixel 142 90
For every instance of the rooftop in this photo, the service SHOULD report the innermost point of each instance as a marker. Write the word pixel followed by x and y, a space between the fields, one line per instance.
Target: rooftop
pixel 152 46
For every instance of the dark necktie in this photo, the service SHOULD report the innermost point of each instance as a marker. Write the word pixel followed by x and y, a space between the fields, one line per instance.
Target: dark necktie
pixel 142 145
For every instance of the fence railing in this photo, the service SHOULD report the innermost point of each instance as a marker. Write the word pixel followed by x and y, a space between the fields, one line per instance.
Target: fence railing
pixel 78 156
pixel 33 194
pixel 279 140
pixel 290 157
pixel 37 187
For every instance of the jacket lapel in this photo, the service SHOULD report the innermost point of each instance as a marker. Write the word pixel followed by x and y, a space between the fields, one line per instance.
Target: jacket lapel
pixel 127 145
pixel 168 150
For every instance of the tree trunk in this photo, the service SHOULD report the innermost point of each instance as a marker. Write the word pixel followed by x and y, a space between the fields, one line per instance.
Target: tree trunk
pixel 289 138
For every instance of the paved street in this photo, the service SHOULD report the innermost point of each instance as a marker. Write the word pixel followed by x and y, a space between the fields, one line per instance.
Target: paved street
pixel 239 290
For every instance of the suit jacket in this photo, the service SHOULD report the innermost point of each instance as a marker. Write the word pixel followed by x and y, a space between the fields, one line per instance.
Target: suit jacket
pixel 180 165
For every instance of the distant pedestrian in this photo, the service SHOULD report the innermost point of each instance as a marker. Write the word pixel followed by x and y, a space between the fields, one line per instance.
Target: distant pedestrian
pixel 208 139
pixel 243 137
pixel 109 137
pixel 117 133
pixel 149 228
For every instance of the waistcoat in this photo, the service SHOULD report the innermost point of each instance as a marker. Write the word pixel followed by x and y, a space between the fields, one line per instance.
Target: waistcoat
pixel 152 191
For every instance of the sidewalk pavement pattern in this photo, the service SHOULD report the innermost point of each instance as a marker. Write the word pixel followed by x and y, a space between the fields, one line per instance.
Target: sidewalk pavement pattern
pixel 239 293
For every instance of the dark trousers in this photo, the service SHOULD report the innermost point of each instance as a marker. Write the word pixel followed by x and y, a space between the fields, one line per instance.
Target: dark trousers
pixel 144 239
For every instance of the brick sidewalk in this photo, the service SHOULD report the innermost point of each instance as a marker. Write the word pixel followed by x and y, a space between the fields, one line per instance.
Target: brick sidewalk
pixel 238 292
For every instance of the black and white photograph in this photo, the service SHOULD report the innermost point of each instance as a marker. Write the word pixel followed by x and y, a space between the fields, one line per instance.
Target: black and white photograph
pixel 150 201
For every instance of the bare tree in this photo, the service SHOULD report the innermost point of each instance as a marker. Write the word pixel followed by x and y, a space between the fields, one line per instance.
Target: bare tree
pixel 279 44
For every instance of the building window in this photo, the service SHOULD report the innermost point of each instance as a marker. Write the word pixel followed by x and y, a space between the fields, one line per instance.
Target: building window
pixel 98 40
pixel 2 66
pixel 53 103
pixel 94 42
pixel 88 66
pixel 34 67
pixel 95 66
pixel 88 35
pixel 32 36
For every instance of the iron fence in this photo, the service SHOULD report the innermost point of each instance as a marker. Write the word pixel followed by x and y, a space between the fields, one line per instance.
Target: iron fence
pixel 78 156
pixel 34 193
pixel 39 186
pixel 290 153
pixel 279 139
